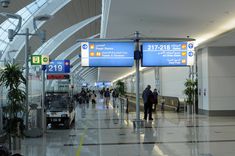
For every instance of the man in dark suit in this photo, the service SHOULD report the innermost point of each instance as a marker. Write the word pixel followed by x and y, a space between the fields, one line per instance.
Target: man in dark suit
pixel 148 102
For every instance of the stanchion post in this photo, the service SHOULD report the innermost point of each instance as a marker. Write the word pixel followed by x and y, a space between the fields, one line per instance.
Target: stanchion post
pixel 43 98
pixel 137 60
pixel 127 105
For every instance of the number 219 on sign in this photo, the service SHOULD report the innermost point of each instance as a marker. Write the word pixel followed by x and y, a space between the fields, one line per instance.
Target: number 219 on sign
pixel 55 68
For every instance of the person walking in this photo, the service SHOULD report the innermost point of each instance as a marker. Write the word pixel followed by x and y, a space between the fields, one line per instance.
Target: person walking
pixel 148 102
pixel 93 97
pixel 155 99
pixel 115 96
pixel 83 96
pixel 107 97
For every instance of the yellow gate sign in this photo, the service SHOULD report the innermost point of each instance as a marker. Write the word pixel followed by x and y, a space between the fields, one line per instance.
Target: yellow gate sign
pixel 36 60
pixel 40 60
pixel 45 60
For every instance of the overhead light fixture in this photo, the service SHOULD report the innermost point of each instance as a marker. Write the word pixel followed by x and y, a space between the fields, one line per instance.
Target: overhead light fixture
pixel 229 25
pixel 41 33
pixel 128 74
pixel 40 18
pixel 5 3
pixel 11 32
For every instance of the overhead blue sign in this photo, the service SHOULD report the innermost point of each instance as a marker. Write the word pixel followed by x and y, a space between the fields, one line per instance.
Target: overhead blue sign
pixel 102 84
pixel 59 66
pixel 167 54
pixel 107 54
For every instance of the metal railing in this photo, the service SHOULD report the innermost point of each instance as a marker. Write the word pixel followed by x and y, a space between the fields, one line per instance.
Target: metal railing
pixel 124 104
pixel 165 102
pixel 169 102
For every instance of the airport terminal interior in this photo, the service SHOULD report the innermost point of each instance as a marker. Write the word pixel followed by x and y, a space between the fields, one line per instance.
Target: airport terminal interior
pixel 117 77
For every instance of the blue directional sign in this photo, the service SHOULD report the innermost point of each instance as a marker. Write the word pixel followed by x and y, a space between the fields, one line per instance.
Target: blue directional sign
pixel 167 54
pixel 103 84
pixel 107 54
pixel 190 53
pixel 190 45
pixel 58 66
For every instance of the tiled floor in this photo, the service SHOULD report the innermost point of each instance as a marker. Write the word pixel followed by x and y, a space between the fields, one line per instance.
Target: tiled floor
pixel 108 132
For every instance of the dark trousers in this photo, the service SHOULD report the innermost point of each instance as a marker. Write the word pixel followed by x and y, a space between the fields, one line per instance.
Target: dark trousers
pixel 148 110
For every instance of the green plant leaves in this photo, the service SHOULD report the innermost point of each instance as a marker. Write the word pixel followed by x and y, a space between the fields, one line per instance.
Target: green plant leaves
pixel 12 78
pixel 190 90
pixel 120 87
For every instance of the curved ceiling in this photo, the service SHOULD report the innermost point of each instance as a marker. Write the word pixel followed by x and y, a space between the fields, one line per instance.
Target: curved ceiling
pixel 82 15
pixel 203 20
pixel 199 19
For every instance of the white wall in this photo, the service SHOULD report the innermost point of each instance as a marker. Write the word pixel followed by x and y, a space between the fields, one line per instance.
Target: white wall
pixel 133 84
pixel 221 64
pixel 128 84
pixel 142 87
pixel 202 62
pixel 149 78
pixel 172 80
pixel 199 68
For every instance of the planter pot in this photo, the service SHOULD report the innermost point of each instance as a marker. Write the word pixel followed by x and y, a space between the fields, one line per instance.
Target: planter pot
pixel 190 109
pixel 15 136
pixel 15 143
pixel 3 137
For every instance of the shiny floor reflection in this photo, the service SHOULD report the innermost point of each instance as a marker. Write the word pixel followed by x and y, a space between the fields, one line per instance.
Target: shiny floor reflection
pixel 99 131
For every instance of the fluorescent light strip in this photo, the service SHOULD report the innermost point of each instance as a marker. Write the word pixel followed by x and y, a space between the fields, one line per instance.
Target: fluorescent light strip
pixel 199 40
pixel 129 74
pixel 224 28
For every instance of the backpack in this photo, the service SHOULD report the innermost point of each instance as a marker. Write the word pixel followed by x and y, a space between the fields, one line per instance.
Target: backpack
pixel 106 94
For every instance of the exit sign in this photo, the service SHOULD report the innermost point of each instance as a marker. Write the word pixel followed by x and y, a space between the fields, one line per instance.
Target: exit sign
pixel 40 60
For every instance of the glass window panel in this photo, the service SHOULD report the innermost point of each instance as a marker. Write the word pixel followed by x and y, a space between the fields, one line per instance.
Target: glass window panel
pixel 33 8
pixel 25 12
pixel 4 36
pixel 30 5
pixel 20 12
pixel 11 27
pixel 26 15
pixel 41 2
pixel 2 46
pixel 3 41
pixel 6 25
pixel 13 21
pixel 2 32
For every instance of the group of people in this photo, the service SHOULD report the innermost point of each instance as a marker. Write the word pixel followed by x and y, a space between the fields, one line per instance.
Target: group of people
pixel 85 96
pixel 150 99
pixel 106 93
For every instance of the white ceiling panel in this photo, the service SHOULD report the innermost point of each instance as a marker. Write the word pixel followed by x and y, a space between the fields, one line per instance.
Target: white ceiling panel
pixel 199 19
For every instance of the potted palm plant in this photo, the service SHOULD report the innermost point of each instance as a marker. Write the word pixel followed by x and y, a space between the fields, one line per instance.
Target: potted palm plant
pixel 13 80
pixel 191 92
pixel 120 87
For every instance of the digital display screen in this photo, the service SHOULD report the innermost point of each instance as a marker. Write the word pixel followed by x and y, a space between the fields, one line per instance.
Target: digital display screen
pixel 57 76
pixel 107 54
pixel 84 84
pixel 58 66
pixel 167 54
pixel 102 84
